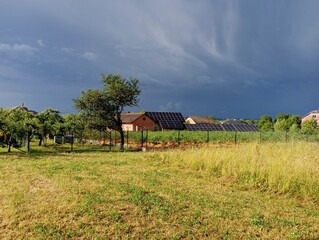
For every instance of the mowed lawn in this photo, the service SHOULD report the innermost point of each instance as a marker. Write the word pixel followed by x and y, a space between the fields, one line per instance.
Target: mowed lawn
pixel 142 195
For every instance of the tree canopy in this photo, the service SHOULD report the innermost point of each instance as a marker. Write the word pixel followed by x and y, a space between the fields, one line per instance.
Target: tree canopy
pixel 265 123
pixel 103 107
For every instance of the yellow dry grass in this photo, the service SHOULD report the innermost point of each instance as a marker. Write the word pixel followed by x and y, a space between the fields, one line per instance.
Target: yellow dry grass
pixel 291 167
pixel 225 192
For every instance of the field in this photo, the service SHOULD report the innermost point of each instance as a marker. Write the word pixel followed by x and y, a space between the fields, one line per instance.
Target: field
pixel 244 191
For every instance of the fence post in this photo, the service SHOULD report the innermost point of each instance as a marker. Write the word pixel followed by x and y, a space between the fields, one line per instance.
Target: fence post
pixel 207 137
pixel 72 139
pixel 146 138
pixel 28 143
pixel 142 140
pixel 235 138
pixel 127 138
pixel 110 141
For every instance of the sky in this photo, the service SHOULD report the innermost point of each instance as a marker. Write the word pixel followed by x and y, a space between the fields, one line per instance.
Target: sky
pixel 228 59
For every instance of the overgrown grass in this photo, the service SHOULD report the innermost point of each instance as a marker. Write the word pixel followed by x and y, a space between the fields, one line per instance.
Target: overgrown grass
pixel 160 195
pixel 279 167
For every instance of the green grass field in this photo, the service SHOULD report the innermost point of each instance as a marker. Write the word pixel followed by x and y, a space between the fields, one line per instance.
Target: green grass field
pixel 248 191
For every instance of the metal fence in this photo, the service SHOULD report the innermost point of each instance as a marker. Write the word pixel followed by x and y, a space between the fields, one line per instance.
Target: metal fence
pixel 110 141
pixel 158 139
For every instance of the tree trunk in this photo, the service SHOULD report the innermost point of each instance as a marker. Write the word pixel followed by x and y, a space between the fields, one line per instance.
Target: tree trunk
pixel 29 140
pixel 40 140
pixel 9 143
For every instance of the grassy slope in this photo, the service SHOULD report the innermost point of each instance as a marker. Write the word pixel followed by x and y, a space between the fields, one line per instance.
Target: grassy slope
pixel 140 195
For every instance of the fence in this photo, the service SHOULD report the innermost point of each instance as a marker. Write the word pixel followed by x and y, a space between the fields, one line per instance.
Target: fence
pixel 110 141
pixel 151 139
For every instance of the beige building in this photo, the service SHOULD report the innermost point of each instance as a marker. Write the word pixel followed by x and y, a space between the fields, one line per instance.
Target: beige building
pixel 312 115
pixel 199 120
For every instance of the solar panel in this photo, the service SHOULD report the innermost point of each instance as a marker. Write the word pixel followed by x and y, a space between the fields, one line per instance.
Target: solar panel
pixel 246 128
pixel 240 127
pixel 168 120
pixel 229 127
pixel 204 127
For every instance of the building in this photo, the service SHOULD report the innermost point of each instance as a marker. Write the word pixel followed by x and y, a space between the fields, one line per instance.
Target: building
pixel 199 120
pixel 137 122
pixel 311 115
pixel 24 108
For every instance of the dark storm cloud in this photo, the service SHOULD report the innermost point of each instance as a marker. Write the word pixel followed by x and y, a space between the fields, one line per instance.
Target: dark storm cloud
pixel 222 58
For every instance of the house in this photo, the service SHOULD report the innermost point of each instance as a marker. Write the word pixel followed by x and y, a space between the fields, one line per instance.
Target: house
pixel 311 115
pixel 137 122
pixel 199 120
pixel 25 109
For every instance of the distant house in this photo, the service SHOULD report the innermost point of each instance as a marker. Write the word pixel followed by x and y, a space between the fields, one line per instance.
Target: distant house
pixel 137 122
pixel 312 115
pixel 199 120
pixel 24 108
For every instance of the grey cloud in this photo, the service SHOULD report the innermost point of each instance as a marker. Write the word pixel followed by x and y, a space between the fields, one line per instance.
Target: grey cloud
pixel 41 43
pixel 214 56
pixel 17 49
pixel 90 56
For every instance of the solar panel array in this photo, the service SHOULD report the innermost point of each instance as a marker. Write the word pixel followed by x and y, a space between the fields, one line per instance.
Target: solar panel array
pixel 229 127
pixel 222 127
pixel 204 127
pixel 168 120
pixel 175 121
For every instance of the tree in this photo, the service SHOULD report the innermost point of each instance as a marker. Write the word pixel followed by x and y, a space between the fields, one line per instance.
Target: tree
pixel 73 124
pixel 281 125
pixel 103 107
pixel 309 126
pixel 19 124
pixel 50 122
pixel 265 123
pixel 284 122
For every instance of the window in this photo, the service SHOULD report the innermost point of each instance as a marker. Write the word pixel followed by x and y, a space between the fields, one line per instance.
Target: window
pixel 314 116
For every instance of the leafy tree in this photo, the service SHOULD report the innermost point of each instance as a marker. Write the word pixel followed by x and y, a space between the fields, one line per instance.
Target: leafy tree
pixel 294 119
pixel 294 128
pixel 50 122
pixel 265 123
pixel 3 117
pixel 73 124
pixel 281 125
pixel 103 107
pixel 20 123
pixel 284 122
pixel 281 116
pixel 309 126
